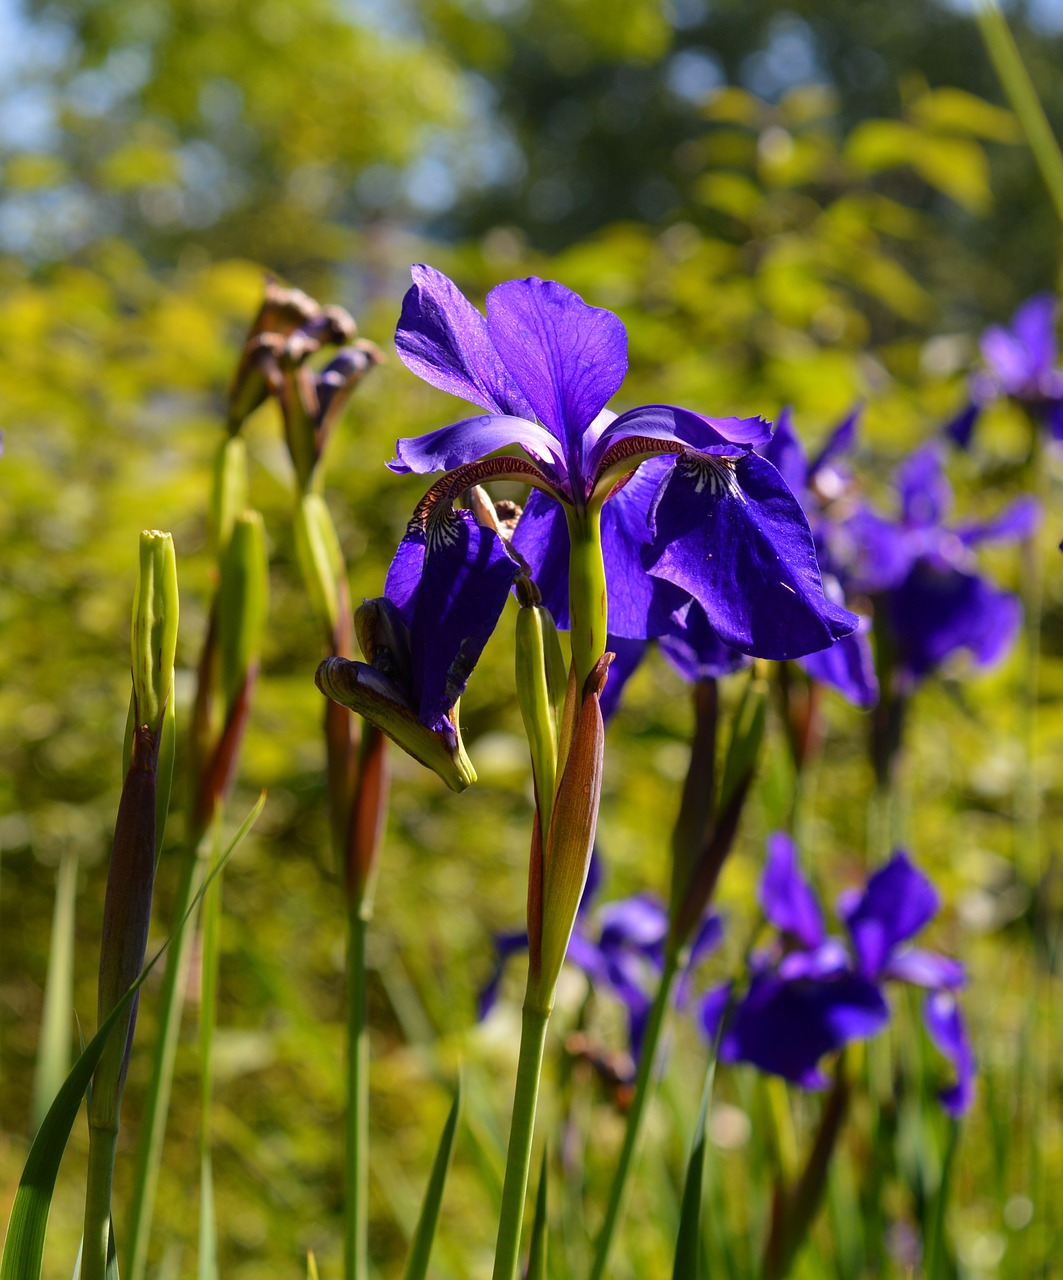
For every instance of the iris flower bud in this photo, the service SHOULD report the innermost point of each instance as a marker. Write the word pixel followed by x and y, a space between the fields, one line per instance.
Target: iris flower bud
pixel 127 907
pixel 564 856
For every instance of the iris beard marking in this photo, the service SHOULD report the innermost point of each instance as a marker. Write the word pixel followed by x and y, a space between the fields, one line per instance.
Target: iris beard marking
pixel 713 473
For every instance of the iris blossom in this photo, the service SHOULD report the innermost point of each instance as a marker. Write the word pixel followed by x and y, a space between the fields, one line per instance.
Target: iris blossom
pixel 705 518
pixel 812 993
pixel 1021 362
pixel 923 575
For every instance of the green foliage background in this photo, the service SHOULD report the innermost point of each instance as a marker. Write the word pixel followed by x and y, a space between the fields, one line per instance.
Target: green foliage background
pixel 836 237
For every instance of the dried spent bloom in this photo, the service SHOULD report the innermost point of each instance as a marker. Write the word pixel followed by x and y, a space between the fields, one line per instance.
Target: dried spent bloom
pixel 289 329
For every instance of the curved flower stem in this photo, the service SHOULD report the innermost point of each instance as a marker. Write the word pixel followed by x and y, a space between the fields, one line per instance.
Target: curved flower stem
pixel 586 590
pixel 356 1164
pixel 643 1089
pixel 522 1127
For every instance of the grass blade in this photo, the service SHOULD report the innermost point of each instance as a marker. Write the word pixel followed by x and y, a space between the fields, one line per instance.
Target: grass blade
pixel 23 1256
pixel 688 1243
pixel 211 927
pixel 53 1055
pixel 421 1245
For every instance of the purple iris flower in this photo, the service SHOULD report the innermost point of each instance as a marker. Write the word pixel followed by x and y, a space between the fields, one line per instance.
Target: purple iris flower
pixel 811 993
pixel 693 512
pixel 922 575
pixel 1021 362
pixel 619 947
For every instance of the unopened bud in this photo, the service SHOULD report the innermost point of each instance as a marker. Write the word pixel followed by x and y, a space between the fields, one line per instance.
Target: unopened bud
pixel 567 848
pixel 541 676
pixel 243 602
pixel 154 641
pixel 380 700
pixel 229 491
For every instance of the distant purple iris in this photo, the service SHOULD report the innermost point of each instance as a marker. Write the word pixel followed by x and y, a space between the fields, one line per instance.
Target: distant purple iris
pixel 811 993
pixel 1021 362
pixel 694 514
pixel 923 576
pixel 619 947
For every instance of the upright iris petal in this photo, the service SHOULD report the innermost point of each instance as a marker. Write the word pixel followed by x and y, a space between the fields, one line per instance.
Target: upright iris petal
pixel 787 897
pixel 898 901
pixel 444 340
pixel 567 357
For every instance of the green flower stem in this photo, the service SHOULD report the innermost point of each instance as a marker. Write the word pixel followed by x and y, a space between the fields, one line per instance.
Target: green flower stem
pixel 356 1215
pixel 1020 91
pixel 160 1082
pixel 1032 590
pixel 586 591
pixel 518 1160
pixel 643 1089
pixel 102 1145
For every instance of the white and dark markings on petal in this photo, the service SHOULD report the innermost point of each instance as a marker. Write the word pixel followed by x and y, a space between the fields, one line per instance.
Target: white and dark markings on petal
pixel 465 580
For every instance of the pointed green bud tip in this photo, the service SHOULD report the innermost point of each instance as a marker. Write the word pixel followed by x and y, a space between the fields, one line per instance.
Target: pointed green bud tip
pixel 154 644
pixel 378 698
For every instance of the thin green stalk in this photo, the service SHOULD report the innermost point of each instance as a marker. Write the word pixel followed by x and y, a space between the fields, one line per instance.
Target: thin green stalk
pixel 643 1089
pixel 935 1253
pixel 356 1215
pixel 522 1127
pixel 1032 589
pixel 102 1146
pixel 1017 85
pixel 1033 1093
pixel 208 1254
pixel 160 1081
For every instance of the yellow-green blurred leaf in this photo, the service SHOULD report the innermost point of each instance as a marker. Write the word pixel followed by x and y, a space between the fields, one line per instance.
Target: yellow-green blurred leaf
pixel 729 192
pixel 139 164
pixel 734 106
pixel 956 111
pixel 956 166
pixel 34 172
pixel 875 145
